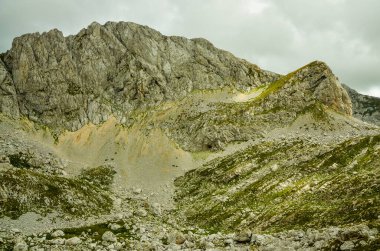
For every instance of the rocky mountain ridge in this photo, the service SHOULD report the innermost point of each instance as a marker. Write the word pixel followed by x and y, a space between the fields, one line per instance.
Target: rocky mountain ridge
pixel 365 107
pixel 114 69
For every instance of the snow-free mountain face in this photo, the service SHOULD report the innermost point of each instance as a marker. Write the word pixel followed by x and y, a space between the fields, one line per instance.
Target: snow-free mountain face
pixel 114 69
pixel 364 107
pixel 122 138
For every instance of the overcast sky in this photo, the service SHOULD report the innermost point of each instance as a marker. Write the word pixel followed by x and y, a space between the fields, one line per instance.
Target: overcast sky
pixel 278 35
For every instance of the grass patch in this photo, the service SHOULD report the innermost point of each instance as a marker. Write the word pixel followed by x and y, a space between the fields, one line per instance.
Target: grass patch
pixel 96 231
pixel 326 189
pixel 19 160
pixel 100 176
pixel 24 190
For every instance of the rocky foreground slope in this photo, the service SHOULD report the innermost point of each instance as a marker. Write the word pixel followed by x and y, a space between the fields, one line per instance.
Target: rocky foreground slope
pixel 121 138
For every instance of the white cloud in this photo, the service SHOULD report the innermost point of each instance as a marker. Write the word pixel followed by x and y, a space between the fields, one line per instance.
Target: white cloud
pixel 372 91
pixel 254 6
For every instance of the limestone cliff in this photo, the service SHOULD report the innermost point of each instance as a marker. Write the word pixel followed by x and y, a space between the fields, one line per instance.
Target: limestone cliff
pixel 8 97
pixel 116 68
pixel 312 89
pixel 112 69
pixel 364 107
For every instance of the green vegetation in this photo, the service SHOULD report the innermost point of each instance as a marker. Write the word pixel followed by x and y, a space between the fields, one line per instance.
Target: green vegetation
pixel 24 190
pixel 101 176
pixel 96 231
pixel 317 111
pixel 263 189
pixel 19 160
pixel 273 87
pixel 73 88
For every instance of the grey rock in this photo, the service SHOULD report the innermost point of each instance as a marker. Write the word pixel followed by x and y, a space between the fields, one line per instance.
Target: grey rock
pixel 364 107
pixel 243 236
pixel 15 230
pixel 347 245
pixel 229 242
pixel 177 238
pixel 58 233
pixel 156 208
pixel 137 191
pixel 141 212
pixel 110 70
pixel 109 237
pixel 8 95
pixel 312 89
pixel 261 240
pixel 58 241
pixel 114 226
pixel 73 241
pixel 21 246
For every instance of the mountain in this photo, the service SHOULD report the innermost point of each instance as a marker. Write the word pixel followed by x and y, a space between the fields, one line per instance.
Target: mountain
pixel 121 138
pixel 112 70
pixel 365 107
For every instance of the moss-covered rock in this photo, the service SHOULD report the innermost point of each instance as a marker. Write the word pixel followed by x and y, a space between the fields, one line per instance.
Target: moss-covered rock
pixel 23 190
pixel 101 176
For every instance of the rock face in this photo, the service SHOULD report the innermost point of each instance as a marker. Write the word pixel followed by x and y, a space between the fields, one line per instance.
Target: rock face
pixel 8 97
pixel 312 88
pixel 112 70
pixel 364 107
pixel 318 78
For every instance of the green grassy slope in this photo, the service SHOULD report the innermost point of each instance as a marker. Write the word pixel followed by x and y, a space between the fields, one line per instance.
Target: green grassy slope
pixel 285 185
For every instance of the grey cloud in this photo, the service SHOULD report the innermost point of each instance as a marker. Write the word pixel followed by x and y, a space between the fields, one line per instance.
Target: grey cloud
pixel 277 35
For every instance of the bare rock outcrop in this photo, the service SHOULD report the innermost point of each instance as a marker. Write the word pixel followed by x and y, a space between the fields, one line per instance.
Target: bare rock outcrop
pixel 8 97
pixel 364 107
pixel 312 89
pixel 311 83
pixel 112 69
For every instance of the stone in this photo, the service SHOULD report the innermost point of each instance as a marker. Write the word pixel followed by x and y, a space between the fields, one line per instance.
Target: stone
pixel 20 246
pixel 176 237
pixel 229 242
pixel 109 237
pixel 73 241
pixel 156 208
pixel 92 245
pixel 114 226
pixel 141 212
pixel 347 245
pixel 137 190
pixel 57 233
pixel 58 241
pixel 15 230
pixel 243 236
pixel 118 246
pixel 180 239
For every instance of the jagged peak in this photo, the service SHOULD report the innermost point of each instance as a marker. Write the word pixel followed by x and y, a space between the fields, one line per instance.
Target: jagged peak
pixel 124 64
pixel 326 86
pixel 315 79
